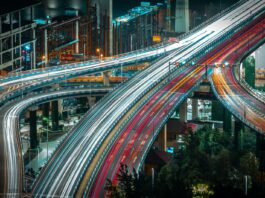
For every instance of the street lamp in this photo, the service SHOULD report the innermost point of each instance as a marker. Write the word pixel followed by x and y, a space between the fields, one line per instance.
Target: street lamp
pixel 153 179
pixel 98 52
pixel 44 61
pixel 46 120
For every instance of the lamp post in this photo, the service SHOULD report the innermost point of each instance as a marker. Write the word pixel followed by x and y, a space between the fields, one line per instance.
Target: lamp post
pixel 98 52
pixel 46 120
pixel 153 179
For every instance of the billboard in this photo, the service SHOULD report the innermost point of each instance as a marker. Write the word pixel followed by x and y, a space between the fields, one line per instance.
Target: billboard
pixel 156 38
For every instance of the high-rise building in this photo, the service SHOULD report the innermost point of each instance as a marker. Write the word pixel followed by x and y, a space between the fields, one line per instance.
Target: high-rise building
pixel 74 31
pixel 18 36
pixel 104 14
pixel 57 36
pixel 177 18
pixel 136 29
pixel 182 16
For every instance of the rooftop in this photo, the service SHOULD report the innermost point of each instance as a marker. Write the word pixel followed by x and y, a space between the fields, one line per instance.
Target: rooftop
pixel 143 9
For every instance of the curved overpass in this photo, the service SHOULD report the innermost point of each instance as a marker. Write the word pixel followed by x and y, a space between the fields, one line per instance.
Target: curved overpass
pixel 20 83
pixel 12 165
pixel 129 149
pixel 245 104
pixel 86 142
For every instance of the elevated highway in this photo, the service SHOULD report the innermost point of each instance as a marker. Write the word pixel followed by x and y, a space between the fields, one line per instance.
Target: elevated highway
pixel 68 167
pixel 245 104
pixel 139 133
pixel 85 147
pixel 9 119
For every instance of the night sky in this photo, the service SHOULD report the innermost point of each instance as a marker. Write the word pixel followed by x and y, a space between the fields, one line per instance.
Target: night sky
pixel 121 6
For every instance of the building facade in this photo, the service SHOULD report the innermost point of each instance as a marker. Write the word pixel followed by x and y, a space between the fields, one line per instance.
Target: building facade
pixel 177 16
pixel 18 38
pixel 57 37
pixel 136 29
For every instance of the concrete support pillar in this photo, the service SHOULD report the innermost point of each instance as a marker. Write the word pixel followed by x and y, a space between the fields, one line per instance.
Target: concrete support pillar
pixel 45 110
pixel 194 109
pixel 260 150
pixel 55 115
pixel 237 134
pixel 60 101
pixel 60 107
pixel 217 111
pixel 162 139
pixel 106 76
pixel 183 111
pixel 258 143
pixel 77 36
pixel 33 129
pixel 91 100
pixel 27 115
pixel 227 121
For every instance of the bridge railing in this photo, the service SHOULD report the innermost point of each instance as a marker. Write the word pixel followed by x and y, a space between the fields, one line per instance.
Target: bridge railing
pixel 165 77
pixel 120 85
pixel 126 121
pixel 50 80
pixel 82 123
pixel 159 45
pixel 16 75
pixel 123 114
pixel 247 87
pixel 226 35
pixel 232 110
pixel 166 117
pixel 258 94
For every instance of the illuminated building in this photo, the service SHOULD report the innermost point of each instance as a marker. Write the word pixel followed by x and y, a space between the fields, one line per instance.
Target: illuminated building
pixel 136 29
pixel 17 37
